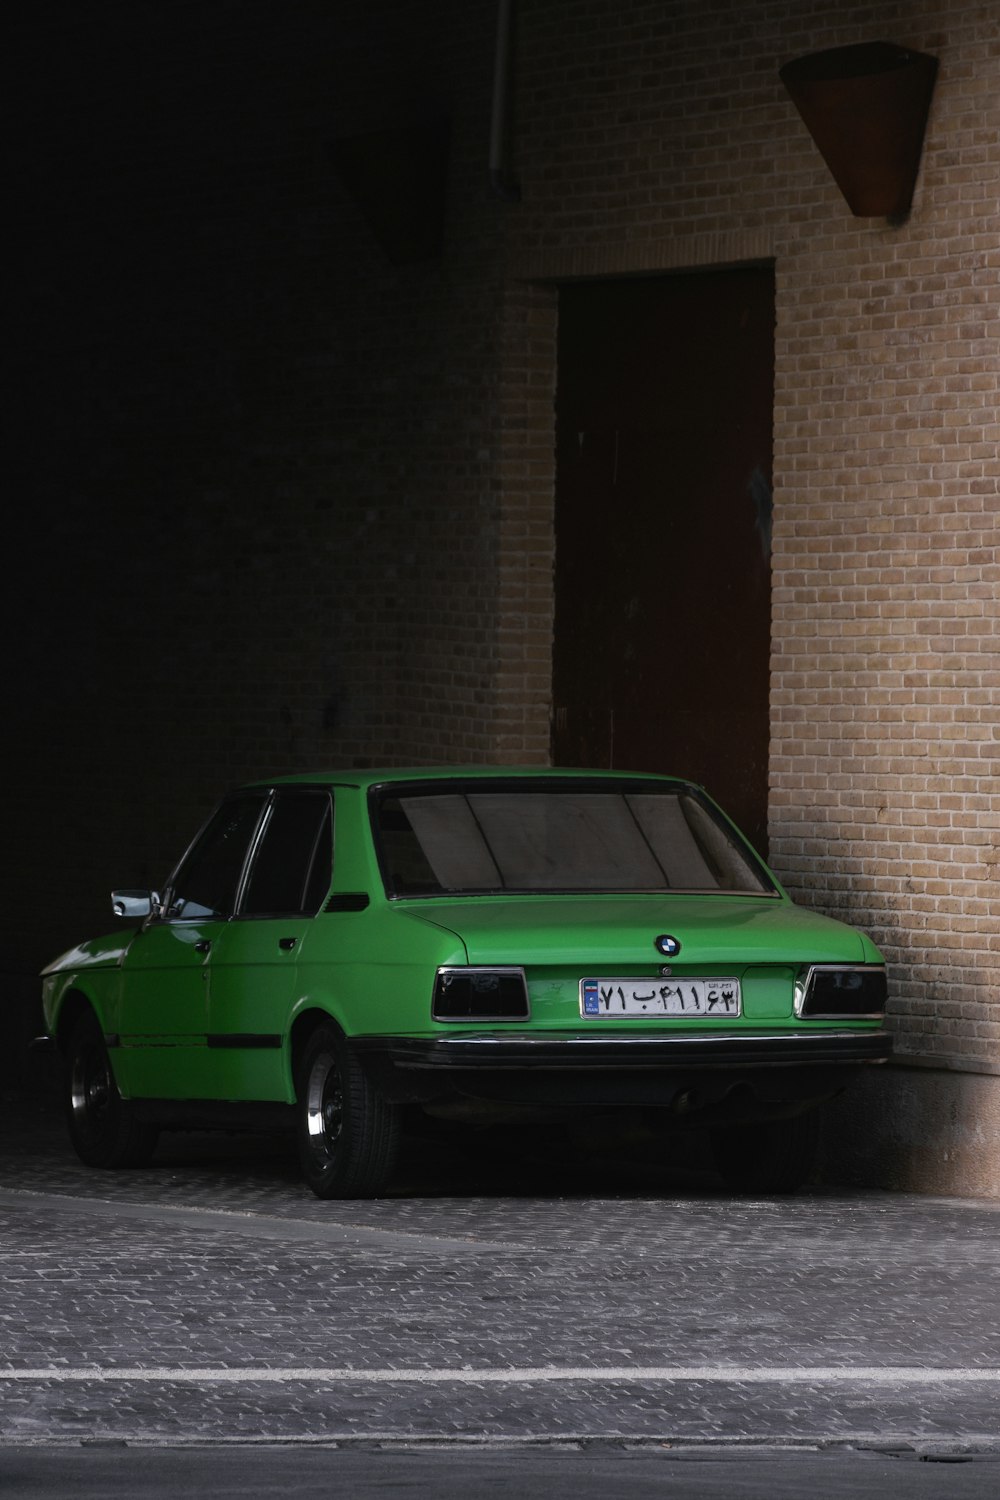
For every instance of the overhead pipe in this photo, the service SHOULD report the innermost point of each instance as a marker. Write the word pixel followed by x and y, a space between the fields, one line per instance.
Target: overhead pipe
pixel 509 191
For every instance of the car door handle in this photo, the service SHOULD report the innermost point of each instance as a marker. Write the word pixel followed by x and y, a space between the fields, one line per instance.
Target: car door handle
pixel 203 946
pixel 287 944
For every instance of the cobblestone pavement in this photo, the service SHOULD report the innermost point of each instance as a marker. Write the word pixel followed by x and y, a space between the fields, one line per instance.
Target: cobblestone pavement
pixel 210 1297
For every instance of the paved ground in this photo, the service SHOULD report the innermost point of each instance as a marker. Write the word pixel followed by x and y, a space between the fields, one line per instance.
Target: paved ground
pixel 564 1471
pixel 211 1298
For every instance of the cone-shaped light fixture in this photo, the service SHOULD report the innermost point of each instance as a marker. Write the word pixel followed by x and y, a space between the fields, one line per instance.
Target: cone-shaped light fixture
pixel 866 108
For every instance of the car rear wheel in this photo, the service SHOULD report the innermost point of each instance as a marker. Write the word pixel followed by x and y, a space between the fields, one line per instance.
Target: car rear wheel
pixel 769 1156
pixel 102 1125
pixel 348 1134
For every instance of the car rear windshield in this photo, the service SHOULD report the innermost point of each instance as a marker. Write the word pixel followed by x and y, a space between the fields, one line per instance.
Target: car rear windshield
pixel 478 839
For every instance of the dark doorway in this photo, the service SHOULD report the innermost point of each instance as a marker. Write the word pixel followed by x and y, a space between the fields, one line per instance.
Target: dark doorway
pixel 663 530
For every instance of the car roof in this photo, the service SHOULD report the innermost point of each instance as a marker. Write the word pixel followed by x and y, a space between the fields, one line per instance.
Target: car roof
pixel 380 775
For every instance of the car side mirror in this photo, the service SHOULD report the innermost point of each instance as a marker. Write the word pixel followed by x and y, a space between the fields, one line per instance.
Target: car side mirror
pixel 135 906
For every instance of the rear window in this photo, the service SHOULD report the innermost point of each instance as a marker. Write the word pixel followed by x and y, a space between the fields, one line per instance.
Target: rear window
pixel 482 838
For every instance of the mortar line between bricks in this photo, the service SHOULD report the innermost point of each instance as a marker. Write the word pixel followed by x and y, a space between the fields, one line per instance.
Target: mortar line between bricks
pixel 524 1375
pixel 260 1226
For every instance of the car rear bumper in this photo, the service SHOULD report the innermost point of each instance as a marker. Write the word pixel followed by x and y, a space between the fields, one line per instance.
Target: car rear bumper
pixel 685 1073
pixel 559 1050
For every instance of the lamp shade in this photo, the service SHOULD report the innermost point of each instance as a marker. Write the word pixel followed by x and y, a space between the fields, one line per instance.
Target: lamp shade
pixel 866 107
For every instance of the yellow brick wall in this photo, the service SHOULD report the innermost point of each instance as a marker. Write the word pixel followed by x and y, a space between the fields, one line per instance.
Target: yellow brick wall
pixel 654 137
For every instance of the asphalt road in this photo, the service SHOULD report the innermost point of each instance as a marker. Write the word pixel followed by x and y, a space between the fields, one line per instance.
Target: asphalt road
pixel 566 1472
pixel 504 1319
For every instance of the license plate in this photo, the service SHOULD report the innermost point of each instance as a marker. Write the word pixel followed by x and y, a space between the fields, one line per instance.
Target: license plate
pixel 696 998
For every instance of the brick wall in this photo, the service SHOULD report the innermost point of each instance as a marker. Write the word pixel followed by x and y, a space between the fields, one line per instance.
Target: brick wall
pixel 655 137
pixel 255 519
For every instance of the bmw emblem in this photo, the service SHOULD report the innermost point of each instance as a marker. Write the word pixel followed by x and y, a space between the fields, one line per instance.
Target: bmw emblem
pixel 667 945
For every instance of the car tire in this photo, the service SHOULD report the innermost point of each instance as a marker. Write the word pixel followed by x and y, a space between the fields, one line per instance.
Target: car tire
pixel 102 1125
pixel 348 1133
pixel 769 1156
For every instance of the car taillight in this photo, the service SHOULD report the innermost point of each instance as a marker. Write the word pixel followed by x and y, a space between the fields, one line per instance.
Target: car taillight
pixel 480 995
pixel 830 992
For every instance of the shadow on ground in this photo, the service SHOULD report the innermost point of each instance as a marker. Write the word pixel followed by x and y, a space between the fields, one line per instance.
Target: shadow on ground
pixel 438 1159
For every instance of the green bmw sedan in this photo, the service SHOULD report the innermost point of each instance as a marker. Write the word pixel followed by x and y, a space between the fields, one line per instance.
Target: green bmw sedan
pixel 338 953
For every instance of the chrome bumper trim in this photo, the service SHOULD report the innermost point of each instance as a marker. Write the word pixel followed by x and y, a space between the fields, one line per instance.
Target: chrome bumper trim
pixel 558 1050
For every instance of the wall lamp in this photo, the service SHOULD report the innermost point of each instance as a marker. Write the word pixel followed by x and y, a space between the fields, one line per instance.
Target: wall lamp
pixel 866 107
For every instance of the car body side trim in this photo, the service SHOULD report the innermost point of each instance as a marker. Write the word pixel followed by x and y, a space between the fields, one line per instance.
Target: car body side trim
pixel 243 1039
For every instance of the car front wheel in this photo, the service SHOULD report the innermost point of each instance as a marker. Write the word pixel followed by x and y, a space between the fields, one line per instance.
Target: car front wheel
pixel 102 1125
pixel 770 1156
pixel 348 1134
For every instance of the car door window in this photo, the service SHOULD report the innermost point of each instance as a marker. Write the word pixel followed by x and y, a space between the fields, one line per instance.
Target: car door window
pixel 207 881
pixel 291 868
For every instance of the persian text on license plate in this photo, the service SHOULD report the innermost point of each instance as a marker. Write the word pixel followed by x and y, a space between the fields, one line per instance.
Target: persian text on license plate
pixel 660 997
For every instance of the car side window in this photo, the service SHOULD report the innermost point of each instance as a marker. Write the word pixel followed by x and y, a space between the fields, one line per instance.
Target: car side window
pixel 292 864
pixel 207 881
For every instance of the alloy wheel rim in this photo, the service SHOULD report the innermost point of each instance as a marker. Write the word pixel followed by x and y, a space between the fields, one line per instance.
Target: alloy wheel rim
pixel 325 1108
pixel 91 1090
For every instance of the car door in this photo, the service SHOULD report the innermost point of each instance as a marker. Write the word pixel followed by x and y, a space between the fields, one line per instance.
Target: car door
pixel 253 967
pixel 163 1018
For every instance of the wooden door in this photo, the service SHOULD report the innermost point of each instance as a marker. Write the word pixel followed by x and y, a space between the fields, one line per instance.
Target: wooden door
pixel 663 528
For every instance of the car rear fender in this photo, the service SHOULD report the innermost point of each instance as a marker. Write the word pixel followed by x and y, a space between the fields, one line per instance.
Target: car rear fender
pixel 312 1011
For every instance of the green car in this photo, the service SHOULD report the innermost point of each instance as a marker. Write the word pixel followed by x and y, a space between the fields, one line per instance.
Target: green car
pixel 340 952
